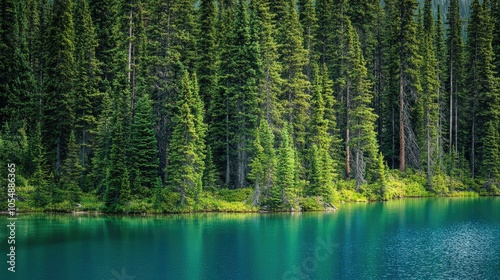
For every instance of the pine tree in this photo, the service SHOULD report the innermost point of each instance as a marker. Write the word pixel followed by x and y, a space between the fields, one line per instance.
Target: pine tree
pixel 104 17
pixel 143 147
pixel 296 88
pixel 183 172
pixel 240 90
pixel 283 193
pixel 117 175
pixel 17 83
pixel 270 82
pixel 264 164
pixel 430 87
pixel 171 49
pixel 495 20
pixel 208 61
pixel 404 83
pixel 40 180
pixel 87 97
pixel 309 22
pixel 58 115
pixel 362 121
pixel 483 92
pixel 455 71
pixel 325 32
pixel 441 74
pixel 323 166
pixel 102 149
pixel 71 173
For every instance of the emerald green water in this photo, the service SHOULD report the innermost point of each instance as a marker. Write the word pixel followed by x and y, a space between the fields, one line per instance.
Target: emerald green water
pixel 448 238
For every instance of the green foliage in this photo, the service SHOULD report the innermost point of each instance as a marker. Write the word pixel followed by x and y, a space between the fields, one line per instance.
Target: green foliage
pixel 264 164
pixel 143 147
pixel 184 173
pixel 290 104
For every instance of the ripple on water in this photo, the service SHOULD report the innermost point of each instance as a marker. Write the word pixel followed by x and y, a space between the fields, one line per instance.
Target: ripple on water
pixel 467 250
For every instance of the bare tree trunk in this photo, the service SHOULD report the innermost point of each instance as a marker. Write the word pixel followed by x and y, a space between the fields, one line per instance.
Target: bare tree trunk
pixel 393 111
pixel 450 143
pixel 402 163
pixel 347 136
pixel 456 119
pixel 473 144
pixel 228 165
pixel 129 46
pixel 428 140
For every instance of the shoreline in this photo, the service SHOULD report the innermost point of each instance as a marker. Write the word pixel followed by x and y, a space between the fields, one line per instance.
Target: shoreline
pixel 334 209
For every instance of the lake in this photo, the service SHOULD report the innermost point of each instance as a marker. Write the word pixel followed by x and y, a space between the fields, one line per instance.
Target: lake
pixel 432 238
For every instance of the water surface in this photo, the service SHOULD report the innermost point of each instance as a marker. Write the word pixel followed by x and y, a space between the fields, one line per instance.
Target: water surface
pixel 436 238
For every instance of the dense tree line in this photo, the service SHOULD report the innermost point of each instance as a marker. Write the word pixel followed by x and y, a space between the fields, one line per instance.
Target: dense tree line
pixel 145 99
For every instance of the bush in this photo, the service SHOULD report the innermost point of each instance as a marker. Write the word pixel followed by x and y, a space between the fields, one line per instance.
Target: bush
pixel 311 203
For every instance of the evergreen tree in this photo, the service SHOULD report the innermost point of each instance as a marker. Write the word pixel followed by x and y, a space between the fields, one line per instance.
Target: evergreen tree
pixel 40 180
pixel 495 20
pixel 284 192
pixel 296 89
pixel 240 89
pixel 482 91
pixel 143 147
pixel 17 83
pixel 441 74
pixel 183 172
pixel 309 22
pixel 455 71
pixel 323 166
pixel 404 82
pixel 102 149
pixel 58 115
pixel 72 174
pixel 430 87
pixel 270 82
pixel 264 164
pixel 208 62
pixel 117 175
pixel 171 49
pixel 87 97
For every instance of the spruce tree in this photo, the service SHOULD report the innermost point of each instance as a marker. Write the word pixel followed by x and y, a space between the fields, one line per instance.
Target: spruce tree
pixel 17 82
pixel 102 148
pixel 362 119
pixel 270 82
pixel 495 20
pixel 117 175
pixel 40 180
pixel 58 100
pixel 264 164
pixel 171 48
pixel 87 97
pixel 296 89
pixel 404 83
pixel 143 147
pixel 71 173
pixel 240 90
pixel 323 166
pixel 483 92
pixel 455 73
pixel 183 172
pixel 430 87
pixel 441 90
pixel 284 192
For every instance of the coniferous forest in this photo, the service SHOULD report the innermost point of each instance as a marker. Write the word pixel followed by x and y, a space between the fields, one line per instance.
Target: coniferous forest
pixel 155 106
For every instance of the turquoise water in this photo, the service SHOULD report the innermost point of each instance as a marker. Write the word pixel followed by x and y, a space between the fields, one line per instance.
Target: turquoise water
pixel 448 238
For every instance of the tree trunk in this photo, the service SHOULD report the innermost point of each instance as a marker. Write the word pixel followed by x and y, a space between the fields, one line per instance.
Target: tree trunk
pixel 347 137
pixel 450 142
pixel 402 163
